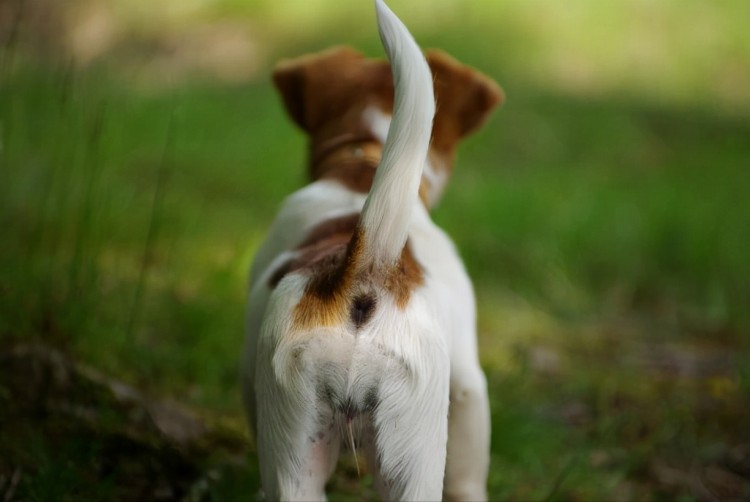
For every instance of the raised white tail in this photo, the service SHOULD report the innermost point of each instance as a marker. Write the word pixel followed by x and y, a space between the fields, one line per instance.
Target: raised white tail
pixel 386 216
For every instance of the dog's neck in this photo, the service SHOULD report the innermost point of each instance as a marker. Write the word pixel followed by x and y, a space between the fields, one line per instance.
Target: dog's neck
pixel 349 149
pixel 350 158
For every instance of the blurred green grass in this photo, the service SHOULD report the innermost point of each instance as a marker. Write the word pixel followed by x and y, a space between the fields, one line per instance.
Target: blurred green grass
pixel 608 239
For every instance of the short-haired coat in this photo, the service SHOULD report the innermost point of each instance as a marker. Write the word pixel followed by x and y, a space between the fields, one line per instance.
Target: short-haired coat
pixel 361 317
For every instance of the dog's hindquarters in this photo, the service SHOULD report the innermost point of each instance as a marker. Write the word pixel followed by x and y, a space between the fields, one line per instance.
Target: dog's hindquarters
pixel 386 380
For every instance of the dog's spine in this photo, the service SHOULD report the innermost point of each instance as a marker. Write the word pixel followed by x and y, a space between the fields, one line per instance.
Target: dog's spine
pixel 386 216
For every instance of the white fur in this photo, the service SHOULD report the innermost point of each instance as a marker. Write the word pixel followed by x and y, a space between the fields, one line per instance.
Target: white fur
pixel 378 123
pixel 296 381
pixel 385 217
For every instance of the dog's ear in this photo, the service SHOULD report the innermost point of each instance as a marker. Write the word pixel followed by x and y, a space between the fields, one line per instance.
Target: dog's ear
pixel 465 98
pixel 321 86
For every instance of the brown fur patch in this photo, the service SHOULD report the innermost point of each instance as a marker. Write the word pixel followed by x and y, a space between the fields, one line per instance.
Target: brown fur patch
pixel 352 164
pixel 325 239
pixel 356 176
pixel 404 277
pixel 326 298
pixel 329 297
pixel 324 301
pixel 326 86
pixel 342 226
pixel 349 141
pixel 464 96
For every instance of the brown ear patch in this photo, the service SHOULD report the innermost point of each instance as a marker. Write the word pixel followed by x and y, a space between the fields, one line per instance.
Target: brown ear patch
pixel 299 78
pixel 465 97
pixel 325 85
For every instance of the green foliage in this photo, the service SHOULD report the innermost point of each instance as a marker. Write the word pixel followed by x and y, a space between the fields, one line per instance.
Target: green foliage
pixel 607 236
pixel 609 205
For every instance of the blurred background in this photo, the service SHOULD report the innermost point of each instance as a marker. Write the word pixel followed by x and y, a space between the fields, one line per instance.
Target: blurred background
pixel 603 214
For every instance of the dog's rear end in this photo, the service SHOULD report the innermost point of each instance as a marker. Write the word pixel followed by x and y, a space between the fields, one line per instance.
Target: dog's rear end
pixel 353 339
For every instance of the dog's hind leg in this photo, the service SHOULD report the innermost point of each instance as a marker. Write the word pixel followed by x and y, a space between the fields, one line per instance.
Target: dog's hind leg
pixel 297 438
pixel 468 431
pixel 410 424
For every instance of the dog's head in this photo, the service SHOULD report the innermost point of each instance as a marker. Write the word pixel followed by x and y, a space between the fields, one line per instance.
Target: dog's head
pixel 331 95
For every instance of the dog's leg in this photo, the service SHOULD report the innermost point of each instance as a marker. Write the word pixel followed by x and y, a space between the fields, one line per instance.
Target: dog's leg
pixel 410 425
pixel 468 430
pixel 296 456
pixel 297 440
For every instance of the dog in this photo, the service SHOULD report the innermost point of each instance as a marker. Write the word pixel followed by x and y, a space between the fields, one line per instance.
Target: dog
pixel 361 317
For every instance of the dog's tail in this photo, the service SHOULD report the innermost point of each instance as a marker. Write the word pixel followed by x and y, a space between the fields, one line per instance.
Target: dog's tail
pixel 385 219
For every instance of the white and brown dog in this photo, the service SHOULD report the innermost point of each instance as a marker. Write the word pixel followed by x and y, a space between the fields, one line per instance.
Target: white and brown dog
pixel 361 318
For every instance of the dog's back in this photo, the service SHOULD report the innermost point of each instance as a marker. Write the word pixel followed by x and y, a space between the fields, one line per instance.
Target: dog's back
pixel 356 301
